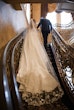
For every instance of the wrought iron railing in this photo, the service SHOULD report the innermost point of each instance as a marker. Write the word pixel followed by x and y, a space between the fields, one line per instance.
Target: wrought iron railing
pixel 7 81
pixel 64 57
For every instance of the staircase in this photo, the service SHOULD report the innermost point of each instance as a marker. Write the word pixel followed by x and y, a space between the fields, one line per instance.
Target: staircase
pixel 11 57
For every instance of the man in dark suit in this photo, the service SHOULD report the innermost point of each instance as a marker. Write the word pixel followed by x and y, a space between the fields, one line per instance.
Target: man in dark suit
pixel 46 28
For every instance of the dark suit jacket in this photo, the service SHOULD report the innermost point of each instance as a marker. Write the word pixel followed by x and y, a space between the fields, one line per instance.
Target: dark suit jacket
pixel 45 25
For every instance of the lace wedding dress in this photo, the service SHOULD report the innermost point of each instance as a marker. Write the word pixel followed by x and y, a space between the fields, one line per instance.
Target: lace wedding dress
pixel 38 84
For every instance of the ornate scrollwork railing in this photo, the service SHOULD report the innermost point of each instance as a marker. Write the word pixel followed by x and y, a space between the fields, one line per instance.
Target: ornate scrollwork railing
pixel 7 80
pixel 64 57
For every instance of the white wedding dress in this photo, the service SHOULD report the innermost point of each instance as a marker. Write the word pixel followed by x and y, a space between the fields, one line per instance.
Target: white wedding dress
pixel 35 73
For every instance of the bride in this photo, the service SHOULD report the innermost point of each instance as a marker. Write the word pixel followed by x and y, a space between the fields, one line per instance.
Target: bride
pixel 36 76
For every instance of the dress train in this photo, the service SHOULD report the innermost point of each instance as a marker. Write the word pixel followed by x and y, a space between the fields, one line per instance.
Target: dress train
pixel 35 73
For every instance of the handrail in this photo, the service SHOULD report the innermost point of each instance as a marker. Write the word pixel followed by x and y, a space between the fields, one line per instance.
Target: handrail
pixel 15 86
pixel 57 35
pixel 60 37
pixel 66 47
pixel 61 56
pixel 64 25
pixel 70 1
pixel 7 93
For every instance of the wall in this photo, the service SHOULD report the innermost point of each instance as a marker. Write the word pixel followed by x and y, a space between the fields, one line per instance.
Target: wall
pixel 36 11
pixel 11 22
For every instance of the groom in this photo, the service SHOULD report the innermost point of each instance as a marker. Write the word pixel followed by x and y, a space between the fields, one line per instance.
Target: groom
pixel 46 28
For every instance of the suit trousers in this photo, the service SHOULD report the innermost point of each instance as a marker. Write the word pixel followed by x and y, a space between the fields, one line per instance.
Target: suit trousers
pixel 45 37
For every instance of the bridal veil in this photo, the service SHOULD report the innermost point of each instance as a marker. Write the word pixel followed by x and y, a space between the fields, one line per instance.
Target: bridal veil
pixel 38 84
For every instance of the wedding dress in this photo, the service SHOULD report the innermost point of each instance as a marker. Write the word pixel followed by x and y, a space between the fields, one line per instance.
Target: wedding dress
pixel 38 84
